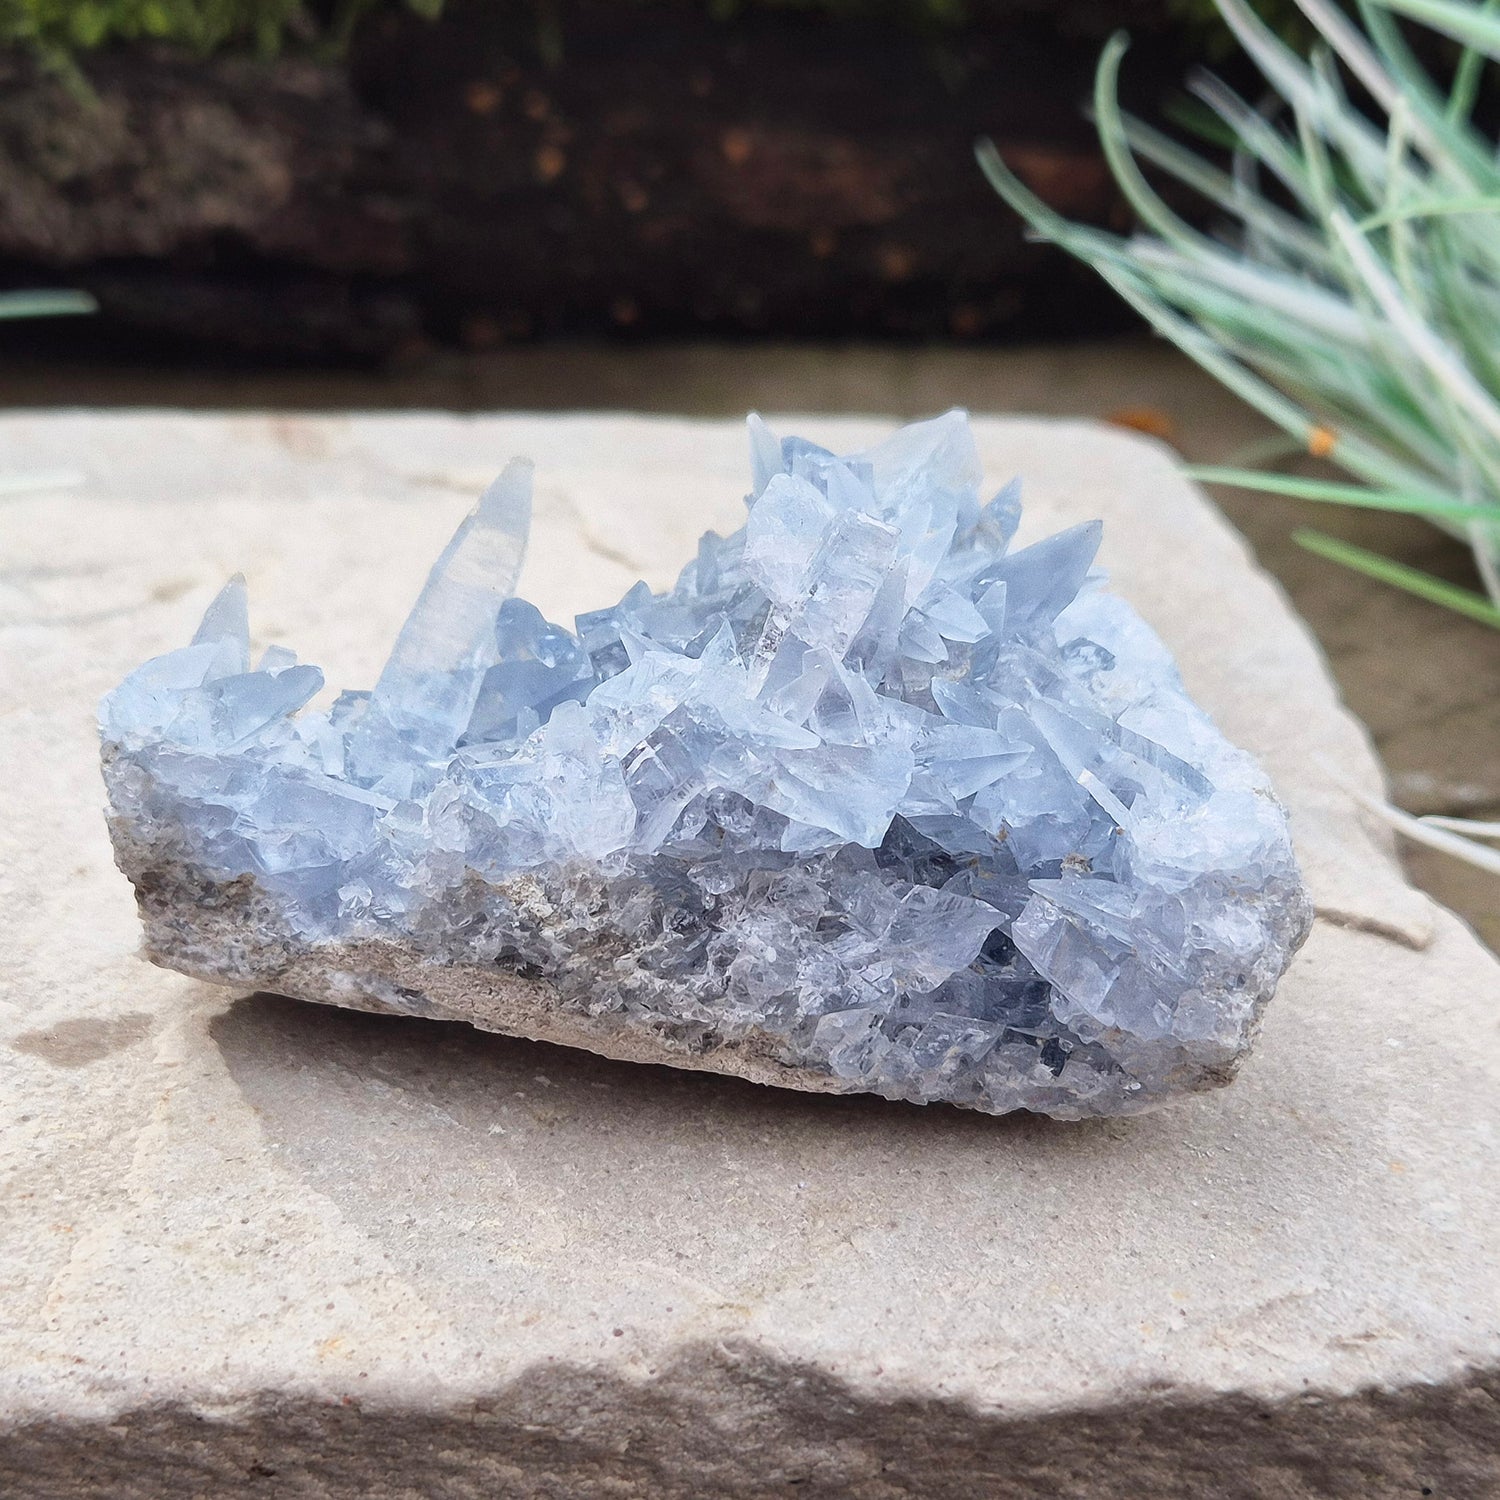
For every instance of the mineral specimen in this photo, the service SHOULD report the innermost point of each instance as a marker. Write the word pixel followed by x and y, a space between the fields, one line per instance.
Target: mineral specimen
pixel 868 801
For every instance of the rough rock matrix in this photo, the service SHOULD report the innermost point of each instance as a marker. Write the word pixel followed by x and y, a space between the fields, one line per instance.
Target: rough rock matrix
pixel 866 802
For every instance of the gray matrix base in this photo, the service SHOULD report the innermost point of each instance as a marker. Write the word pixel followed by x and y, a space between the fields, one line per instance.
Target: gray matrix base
pixel 262 1248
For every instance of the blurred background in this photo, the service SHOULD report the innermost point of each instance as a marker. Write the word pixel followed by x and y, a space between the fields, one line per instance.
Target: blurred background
pixel 697 206
pixel 257 180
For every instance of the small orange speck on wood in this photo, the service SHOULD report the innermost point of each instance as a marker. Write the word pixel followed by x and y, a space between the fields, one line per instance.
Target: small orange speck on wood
pixel 965 321
pixel 736 146
pixel 483 97
pixel 897 262
pixel 1151 420
pixel 550 163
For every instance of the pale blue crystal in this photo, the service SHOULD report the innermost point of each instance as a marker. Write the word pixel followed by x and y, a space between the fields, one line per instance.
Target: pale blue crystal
pixel 866 793
pixel 429 684
pixel 227 619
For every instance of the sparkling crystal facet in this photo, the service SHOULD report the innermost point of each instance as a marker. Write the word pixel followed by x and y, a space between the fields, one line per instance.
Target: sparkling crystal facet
pixel 868 801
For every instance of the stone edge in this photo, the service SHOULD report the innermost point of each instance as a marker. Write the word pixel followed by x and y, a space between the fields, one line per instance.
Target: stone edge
pixel 726 1420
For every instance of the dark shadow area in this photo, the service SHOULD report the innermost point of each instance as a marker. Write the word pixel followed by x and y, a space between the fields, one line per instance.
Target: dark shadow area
pixel 296 1054
pixel 727 1422
pixel 718 379
pixel 654 172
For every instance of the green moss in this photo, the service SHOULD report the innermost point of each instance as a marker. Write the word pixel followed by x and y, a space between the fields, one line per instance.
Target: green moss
pixel 68 26
pixel 64 28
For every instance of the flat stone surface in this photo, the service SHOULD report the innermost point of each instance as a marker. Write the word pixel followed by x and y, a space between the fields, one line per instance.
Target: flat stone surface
pixel 256 1247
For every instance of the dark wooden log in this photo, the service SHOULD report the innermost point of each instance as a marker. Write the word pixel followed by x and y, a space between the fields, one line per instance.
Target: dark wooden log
pixel 789 175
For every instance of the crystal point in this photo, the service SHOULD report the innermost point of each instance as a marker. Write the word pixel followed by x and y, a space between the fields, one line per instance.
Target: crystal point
pixel 867 802
pixel 428 686
pixel 227 620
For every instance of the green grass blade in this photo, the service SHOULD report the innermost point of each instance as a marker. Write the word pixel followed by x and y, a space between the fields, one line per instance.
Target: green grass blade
pixel 1399 575
pixel 1464 23
pixel 1115 140
pixel 45 304
pixel 1394 80
pixel 1471 308
pixel 1431 208
pixel 1443 363
pixel 1450 144
pixel 1256 137
pixel 1211 355
pixel 1200 121
pixel 1467 76
pixel 1421 831
pixel 1046 221
pixel 1290 234
pixel 1296 488
pixel 1297 83
pixel 1254 297
pixel 1480 828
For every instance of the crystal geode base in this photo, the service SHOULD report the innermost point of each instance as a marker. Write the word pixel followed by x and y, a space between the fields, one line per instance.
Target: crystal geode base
pixel 869 802
pixel 235 932
pixel 231 934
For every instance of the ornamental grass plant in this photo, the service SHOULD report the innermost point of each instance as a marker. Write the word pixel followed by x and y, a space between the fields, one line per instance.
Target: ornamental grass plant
pixel 1352 291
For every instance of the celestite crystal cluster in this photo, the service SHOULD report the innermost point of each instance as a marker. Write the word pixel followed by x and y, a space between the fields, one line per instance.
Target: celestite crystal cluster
pixel 867 801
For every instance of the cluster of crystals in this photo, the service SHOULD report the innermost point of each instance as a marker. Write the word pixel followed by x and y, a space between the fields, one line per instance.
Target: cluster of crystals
pixel 933 816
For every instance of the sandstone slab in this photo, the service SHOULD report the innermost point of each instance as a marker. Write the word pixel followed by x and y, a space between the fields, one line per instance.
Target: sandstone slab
pixel 255 1247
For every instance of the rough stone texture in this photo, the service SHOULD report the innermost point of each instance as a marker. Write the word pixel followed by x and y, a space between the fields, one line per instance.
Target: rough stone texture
pixel 256 1247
